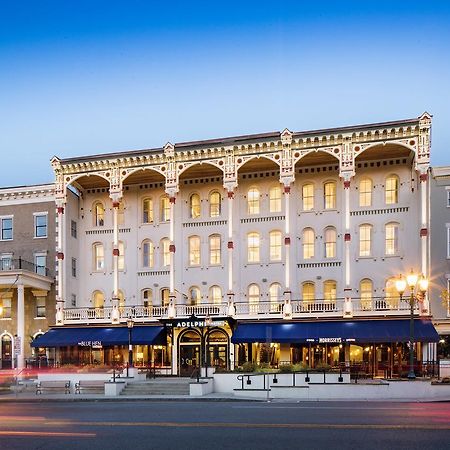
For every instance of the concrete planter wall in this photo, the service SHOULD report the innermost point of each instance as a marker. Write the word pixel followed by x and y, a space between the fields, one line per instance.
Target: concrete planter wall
pixel 114 389
pixel 202 388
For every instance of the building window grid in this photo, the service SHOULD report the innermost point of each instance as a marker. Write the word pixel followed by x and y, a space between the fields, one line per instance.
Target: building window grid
pixel 165 248
pixel 214 250
pixel 40 225
pixel 74 267
pixel 194 250
pixel 214 204
pixel 365 192
pixel 6 228
pixel 275 297
pixel 448 241
pixel 308 197
pixel 253 298
pixel 73 229
pixel 329 291
pixel 194 206
pixel 165 209
pixel 147 210
pixel 6 308
pixel 253 247
pixel 275 199
pixel 253 201
pixel 40 264
pixel 329 195
pixel 365 240
pixel 147 298
pixel 391 190
pixel 308 243
pixel 40 306
pixel 215 295
pixel 391 239
pixel 308 292
pixel 99 214
pixel 99 257
pixel 275 246
pixel 365 291
pixel 330 243
pixel 148 253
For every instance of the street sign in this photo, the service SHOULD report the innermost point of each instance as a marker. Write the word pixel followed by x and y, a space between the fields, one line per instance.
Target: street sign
pixel 17 344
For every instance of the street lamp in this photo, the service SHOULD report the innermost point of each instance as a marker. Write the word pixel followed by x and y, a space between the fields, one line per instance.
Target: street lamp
pixel 413 281
pixel 130 324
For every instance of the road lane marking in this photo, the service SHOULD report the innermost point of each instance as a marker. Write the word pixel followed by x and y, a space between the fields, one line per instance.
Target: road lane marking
pixel 45 434
pixel 252 425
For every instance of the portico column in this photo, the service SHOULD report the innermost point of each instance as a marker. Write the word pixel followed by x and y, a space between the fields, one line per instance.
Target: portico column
pixel 424 208
pixel 115 315
pixel 348 308
pixel 172 249
pixel 21 325
pixel 60 265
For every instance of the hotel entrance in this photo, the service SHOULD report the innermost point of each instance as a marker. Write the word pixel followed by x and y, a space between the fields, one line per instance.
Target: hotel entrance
pixel 189 353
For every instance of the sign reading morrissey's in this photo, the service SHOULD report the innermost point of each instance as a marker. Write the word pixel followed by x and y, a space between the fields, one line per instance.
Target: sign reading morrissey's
pixel 330 340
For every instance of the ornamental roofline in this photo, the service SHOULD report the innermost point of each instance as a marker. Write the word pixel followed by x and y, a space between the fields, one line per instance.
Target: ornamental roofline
pixel 241 140
pixel 28 189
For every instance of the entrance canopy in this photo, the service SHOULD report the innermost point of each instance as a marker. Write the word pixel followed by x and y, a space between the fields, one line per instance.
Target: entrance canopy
pixel 363 331
pixel 101 336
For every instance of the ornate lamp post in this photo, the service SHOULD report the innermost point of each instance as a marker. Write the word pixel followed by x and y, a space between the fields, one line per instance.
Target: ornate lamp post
pixel 418 285
pixel 130 324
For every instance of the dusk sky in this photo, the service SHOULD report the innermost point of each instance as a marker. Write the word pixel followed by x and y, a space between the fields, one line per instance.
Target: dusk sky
pixel 85 77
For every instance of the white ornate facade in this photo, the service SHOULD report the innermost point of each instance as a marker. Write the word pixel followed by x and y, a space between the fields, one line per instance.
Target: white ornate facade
pixel 278 226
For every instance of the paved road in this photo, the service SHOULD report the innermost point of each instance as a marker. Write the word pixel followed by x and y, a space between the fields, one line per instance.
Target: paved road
pixel 223 425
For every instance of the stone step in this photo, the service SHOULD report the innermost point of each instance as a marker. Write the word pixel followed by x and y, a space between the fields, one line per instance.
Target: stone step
pixel 158 387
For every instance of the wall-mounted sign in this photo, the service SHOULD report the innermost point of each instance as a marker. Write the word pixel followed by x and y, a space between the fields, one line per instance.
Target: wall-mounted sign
pixel 93 344
pixel 198 323
pixel 330 340
pixel 17 345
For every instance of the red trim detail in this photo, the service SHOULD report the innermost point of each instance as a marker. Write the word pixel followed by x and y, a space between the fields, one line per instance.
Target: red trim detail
pixel 287 240
pixel 347 237
pixel 116 252
pixel 423 232
pixel 423 177
pixel 116 204
pixel 287 189
pixel 60 209
pixel 230 245
pixel 60 255
pixel 230 194
pixel 172 200
pixel 172 248
pixel 346 184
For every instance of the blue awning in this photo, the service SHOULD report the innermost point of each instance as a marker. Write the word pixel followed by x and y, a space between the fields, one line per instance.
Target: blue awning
pixel 100 336
pixel 363 331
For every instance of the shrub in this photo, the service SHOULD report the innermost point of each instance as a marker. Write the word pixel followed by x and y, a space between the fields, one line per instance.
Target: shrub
pixel 286 368
pixel 323 366
pixel 249 367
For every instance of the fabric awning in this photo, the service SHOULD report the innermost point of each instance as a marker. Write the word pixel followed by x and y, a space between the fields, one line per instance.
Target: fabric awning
pixel 100 336
pixel 363 331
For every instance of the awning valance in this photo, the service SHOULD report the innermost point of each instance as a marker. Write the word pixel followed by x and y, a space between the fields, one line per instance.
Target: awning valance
pixel 100 336
pixel 363 331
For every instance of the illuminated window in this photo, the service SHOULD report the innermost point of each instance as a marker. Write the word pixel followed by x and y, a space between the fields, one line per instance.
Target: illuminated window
pixel 147 210
pixel 148 253
pixel 275 245
pixel 165 297
pixel 99 256
pixel 214 249
pixel 365 240
pixel 253 298
pixel 329 195
pixel 275 297
pixel 308 196
pixel 5 312
pixel 98 214
pixel 275 199
pixel 329 291
pixel 215 295
pixel 391 239
pixel 253 244
pixel 121 258
pixel 253 201
pixel 147 298
pixel 308 292
pixel 98 299
pixel 308 243
pixel 391 189
pixel 365 290
pixel 330 243
pixel 165 252
pixel 164 209
pixel 194 295
pixel 392 295
pixel 215 204
pixel 365 192
pixel 194 250
pixel 194 206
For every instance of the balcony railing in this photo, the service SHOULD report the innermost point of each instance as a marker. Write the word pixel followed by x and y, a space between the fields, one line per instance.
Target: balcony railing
pixel 10 265
pixel 326 308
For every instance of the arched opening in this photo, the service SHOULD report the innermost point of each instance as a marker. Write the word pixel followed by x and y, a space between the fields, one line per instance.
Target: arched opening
pixel 6 351
pixel 189 350
pixel 217 343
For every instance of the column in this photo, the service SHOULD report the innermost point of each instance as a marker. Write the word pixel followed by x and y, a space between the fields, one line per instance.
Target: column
pixel 424 207
pixel 287 307
pixel 115 315
pixel 21 325
pixel 348 310
pixel 230 245
pixel 172 249
pixel 60 265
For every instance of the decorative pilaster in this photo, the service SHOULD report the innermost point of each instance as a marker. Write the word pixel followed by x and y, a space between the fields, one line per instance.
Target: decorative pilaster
pixel 21 325
pixel 230 248
pixel 116 197
pixel 60 202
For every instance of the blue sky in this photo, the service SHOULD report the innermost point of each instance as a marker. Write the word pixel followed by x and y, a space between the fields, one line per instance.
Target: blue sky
pixel 84 77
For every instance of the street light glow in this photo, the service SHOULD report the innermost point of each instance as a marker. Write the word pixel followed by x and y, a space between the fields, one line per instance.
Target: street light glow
pixel 412 279
pixel 400 285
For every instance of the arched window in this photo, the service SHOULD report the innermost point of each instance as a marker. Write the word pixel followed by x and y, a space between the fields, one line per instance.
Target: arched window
pixel 275 199
pixel 253 201
pixel 329 291
pixel 147 210
pixel 98 299
pixel 214 249
pixel 308 292
pixel 329 195
pixel 165 298
pixel 365 240
pixel 308 196
pixel 148 253
pixel 215 295
pixel 194 250
pixel 98 257
pixel 365 192
pixel 98 211
pixel 253 298
pixel 121 258
pixel 215 204
pixel 164 208
pixel 194 206
pixel 165 252
pixel 391 238
pixel 392 295
pixel 391 189
pixel 194 296
pixel 275 245
pixel 308 243
pixel 147 298
pixel 275 297
pixel 330 242
pixel 365 291
pixel 253 246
